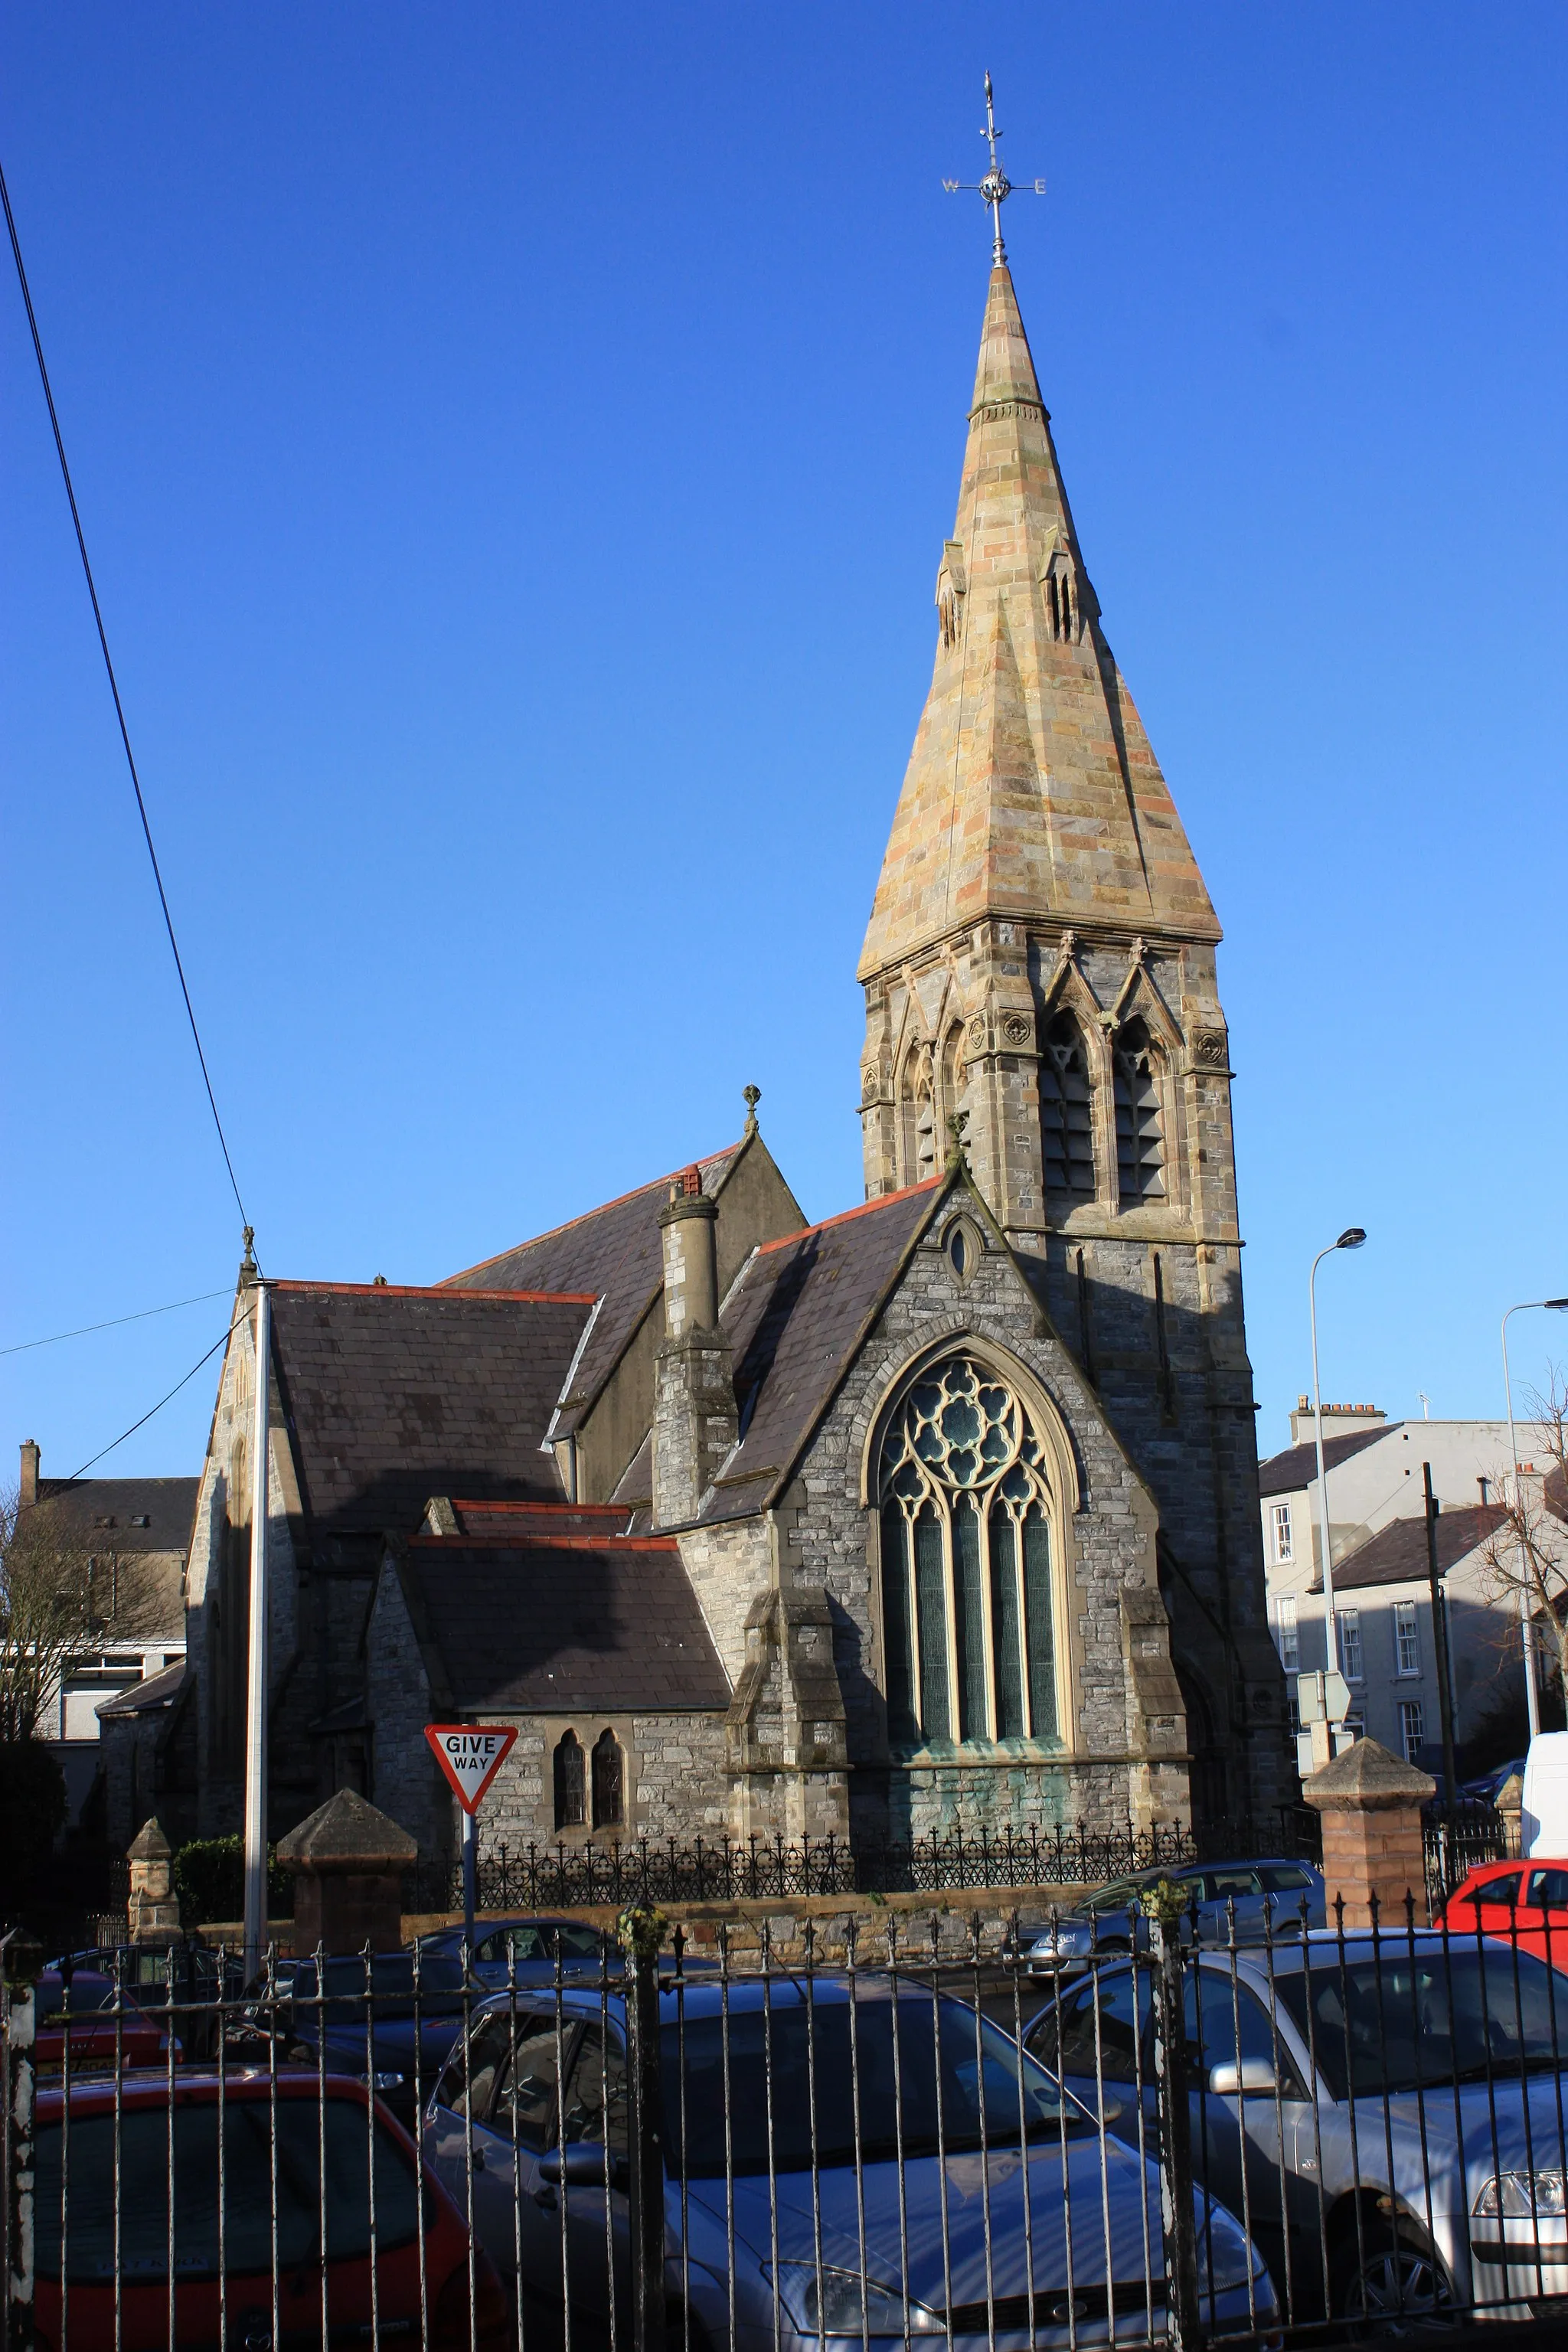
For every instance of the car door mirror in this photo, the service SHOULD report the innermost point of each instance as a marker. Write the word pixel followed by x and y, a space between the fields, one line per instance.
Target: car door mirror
pixel 1231 2081
pixel 582 2166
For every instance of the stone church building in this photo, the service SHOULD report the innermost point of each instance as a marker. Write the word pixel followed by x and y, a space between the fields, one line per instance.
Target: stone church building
pixel 941 1512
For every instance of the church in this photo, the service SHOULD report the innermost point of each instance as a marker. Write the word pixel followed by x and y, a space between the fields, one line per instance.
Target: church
pixel 940 1514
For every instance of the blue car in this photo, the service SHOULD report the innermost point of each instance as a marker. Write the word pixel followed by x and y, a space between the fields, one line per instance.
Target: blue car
pixel 1264 1899
pixel 382 2034
pixel 842 2160
pixel 531 1947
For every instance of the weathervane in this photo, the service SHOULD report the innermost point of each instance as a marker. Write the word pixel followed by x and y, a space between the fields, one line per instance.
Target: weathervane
pixel 996 188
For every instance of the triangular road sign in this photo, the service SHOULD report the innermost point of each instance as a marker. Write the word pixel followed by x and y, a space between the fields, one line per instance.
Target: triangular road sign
pixel 470 1755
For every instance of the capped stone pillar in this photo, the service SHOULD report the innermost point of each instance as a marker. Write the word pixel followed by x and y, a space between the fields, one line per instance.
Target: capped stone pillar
pixel 695 1422
pixel 347 1859
pixel 154 1913
pixel 1370 1806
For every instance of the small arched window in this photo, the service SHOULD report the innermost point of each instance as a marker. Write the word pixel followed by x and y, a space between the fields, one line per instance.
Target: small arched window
pixel 1140 1121
pixel 966 1522
pixel 1067 1112
pixel 608 1779
pixel 918 1113
pixel 571 1809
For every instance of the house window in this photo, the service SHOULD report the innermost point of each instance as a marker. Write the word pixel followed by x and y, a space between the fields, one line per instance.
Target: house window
pixel 1348 1622
pixel 571 1809
pixel 1412 1729
pixel 1140 1126
pixel 1289 1642
pixel 1407 1640
pixel 967 1521
pixel 608 1782
pixel 1284 1546
pixel 1293 1711
pixel 1067 1113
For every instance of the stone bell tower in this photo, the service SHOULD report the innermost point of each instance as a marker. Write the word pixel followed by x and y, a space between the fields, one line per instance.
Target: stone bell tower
pixel 1041 956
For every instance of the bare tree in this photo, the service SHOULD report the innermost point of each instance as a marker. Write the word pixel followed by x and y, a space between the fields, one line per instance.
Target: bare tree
pixel 1524 1559
pixel 62 1598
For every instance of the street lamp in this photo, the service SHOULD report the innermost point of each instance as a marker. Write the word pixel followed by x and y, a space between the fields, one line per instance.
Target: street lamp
pixel 1531 1697
pixel 1352 1238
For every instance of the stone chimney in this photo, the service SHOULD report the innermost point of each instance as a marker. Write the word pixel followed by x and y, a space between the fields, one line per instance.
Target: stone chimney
pixel 30 1459
pixel 695 1422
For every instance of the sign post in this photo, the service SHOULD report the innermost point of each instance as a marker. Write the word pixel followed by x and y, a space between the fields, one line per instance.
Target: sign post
pixel 470 1755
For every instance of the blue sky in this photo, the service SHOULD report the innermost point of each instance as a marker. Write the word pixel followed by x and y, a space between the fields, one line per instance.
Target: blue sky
pixel 516 445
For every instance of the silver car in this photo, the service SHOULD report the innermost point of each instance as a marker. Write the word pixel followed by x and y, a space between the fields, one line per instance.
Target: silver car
pixel 786 2108
pixel 1260 1899
pixel 1386 2114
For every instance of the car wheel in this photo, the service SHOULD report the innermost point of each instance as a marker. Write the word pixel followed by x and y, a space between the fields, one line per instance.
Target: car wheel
pixel 1392 2285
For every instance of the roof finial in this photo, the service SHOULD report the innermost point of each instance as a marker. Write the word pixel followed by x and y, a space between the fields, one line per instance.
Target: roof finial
pixel 752 1097
pixel 996 188
pixel 247 1267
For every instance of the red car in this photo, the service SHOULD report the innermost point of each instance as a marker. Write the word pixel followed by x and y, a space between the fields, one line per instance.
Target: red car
pixel 94 2038
pixel 1522 1900
pixel 113 2218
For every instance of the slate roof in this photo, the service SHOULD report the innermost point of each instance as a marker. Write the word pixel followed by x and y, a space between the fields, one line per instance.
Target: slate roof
pixel 103 1511
pixel 794 1316
pixel 1288 1472
pixel 392 1395
pixel 539 1627
pixel 614 1254
pixel 150 1692
pixel 512 1523
pixel 1397 1553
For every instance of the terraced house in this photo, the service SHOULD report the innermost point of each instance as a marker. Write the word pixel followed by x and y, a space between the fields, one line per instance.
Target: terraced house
pixel 943 1509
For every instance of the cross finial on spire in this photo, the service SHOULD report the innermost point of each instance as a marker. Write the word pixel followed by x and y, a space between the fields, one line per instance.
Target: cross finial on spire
pixel 996 188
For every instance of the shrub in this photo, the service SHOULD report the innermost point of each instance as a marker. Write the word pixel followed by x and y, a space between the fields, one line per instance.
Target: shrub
pixel 209 1880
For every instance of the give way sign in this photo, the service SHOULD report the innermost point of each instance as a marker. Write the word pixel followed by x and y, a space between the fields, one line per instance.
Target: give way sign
pixel 470 1755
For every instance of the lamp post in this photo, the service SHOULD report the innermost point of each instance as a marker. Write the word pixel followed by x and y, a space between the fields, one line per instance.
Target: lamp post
pixel 1352 1238
pixel 1531 1697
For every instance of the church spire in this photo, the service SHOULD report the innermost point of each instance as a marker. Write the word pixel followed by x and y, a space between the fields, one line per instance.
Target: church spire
pixel 1032 791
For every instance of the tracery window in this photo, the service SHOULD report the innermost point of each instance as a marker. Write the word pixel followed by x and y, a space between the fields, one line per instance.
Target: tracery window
pixel 1140 1121
pixel 1067 1112
pixel 966 1520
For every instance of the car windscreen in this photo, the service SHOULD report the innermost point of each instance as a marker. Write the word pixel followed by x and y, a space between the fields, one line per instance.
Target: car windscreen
pixel 241 2189
pixel 876 2060
pixel 391 1985
pixel 1419 2020
pixel 1125 1894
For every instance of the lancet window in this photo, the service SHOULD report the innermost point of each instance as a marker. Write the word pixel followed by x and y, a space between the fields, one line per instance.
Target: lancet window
pixel 1067 1112
pixel 967 1524
pixel 609 1801
pixel 1140 1118
pixel 571 1793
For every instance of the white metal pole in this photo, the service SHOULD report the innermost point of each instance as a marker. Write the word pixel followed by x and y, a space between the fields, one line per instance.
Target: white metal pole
pixel 256 1662
pixel 1331 1630
pixel 1526 1612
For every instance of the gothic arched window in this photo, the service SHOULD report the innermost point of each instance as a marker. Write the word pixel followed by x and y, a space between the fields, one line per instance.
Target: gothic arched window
pixel 1067 1112
pixel 1140 1121
pixel 966 1517
pixel 608 1804
pixel 919 1116
pixel 571 1811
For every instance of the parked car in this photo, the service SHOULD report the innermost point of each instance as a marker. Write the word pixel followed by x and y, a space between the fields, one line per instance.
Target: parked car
pixel 1263 1897
pixel 76 2008
pixel 534 1945
pixel 1386 2113
pixel 389 2037
pixel 784 2116
pixel 1488 1786
pixel 102 2220
pixel 1525 1902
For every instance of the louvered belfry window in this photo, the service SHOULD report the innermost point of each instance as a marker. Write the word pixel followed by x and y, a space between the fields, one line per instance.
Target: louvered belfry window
pixel 1067 1113
pixel 1139 1119
pixel 966 1518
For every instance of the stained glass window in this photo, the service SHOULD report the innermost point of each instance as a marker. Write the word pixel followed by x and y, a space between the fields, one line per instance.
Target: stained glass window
pixel 967 1515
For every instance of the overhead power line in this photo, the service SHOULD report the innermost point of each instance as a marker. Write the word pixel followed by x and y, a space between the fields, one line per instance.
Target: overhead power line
pixel 20 1346
pixel 113 683
pixel 162 1401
